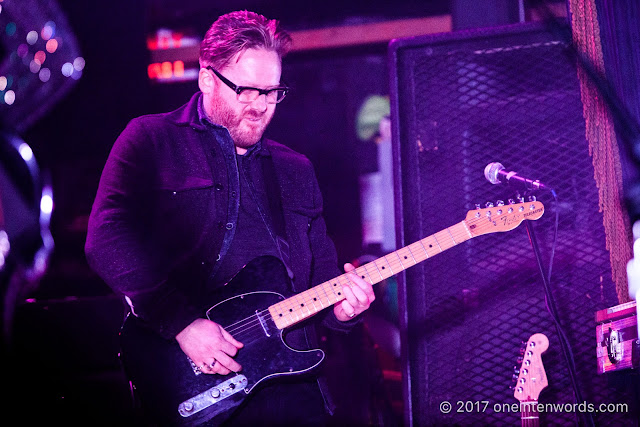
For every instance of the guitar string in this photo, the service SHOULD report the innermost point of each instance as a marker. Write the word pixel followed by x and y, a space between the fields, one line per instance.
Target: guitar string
pixel 250 323
pixel 241 327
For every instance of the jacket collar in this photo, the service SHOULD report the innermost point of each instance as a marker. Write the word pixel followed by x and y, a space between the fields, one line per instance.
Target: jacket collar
pixel 187 115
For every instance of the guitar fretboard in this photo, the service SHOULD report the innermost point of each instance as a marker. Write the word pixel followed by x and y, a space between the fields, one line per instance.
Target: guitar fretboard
pixel 308 303
pixel 529 414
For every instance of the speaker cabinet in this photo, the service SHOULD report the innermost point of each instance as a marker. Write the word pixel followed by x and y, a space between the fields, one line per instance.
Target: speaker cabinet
pixel 461 101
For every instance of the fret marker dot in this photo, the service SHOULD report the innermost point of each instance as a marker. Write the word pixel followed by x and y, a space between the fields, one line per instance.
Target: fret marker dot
pixel 291 309
pixel 301 305
pixel 339 293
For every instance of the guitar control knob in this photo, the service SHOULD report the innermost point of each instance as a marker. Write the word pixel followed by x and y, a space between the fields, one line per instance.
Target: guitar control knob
pixel 215 393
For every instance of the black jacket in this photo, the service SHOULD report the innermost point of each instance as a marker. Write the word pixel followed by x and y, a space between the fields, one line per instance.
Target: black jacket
pixel 161 214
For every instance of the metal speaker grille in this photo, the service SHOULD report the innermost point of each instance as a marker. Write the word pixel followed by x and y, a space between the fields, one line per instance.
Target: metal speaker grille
pixel 459 102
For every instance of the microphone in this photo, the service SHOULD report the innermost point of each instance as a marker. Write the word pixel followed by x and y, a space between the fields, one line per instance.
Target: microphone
pixel 495 174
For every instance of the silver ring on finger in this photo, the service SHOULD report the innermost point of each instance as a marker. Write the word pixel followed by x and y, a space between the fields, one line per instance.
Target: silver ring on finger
pixel 212 364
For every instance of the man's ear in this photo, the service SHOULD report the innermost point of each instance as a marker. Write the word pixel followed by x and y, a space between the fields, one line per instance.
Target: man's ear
pixel 205 81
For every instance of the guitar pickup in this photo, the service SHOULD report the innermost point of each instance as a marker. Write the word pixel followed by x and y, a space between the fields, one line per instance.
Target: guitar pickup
pixel 212 396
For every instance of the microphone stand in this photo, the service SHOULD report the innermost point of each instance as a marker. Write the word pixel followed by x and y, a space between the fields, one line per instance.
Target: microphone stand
pixel 551 306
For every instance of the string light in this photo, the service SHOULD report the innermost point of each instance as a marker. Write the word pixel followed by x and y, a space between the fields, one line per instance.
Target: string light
pixel 79 63
pixel 10 29
pixel 52 45
pixel 34 66
pixel 32 37
pixel 10 97
pixel 48 30
pixel 40 57
pixel 45 75
pixel 67 69
pixel 22 50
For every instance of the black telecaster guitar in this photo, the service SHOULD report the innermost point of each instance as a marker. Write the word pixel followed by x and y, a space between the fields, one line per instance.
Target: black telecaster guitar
pixel 176 393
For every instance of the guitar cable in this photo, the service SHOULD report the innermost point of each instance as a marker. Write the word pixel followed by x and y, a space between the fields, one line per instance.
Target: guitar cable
pixel 551 306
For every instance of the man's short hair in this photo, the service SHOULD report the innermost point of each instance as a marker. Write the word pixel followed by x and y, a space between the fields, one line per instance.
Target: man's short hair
pixel 237 31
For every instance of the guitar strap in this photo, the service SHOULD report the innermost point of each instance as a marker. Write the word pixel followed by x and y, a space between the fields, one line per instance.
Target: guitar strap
pixel 274 197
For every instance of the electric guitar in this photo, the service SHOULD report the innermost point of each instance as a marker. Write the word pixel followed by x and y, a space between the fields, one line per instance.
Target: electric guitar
pixel 531 380
pixel 170 386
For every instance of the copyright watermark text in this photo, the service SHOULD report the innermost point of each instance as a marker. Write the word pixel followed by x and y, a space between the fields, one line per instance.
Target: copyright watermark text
pixel 480 406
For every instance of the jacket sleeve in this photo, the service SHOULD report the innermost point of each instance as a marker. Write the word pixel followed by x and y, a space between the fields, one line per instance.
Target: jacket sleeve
pixel 120 246
pixel 325 260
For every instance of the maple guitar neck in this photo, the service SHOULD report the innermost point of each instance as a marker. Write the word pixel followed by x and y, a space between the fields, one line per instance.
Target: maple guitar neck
pixel 481 221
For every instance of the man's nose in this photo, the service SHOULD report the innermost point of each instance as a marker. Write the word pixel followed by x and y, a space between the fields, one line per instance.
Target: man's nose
pixel 260 103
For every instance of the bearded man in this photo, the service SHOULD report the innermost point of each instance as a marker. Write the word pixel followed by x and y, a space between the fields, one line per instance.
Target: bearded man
pixel 186 200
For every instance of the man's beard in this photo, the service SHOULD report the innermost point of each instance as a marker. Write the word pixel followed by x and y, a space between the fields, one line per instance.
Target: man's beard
pixel 243 134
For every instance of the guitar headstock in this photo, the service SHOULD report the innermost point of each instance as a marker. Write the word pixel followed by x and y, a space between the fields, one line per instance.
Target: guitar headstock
pixel 532 378
pixel 501 217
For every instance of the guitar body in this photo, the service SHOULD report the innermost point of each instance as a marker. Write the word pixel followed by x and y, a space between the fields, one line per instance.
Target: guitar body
pixel 165 380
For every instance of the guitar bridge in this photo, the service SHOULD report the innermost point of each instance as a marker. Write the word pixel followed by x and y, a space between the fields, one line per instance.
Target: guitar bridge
pixel 212 396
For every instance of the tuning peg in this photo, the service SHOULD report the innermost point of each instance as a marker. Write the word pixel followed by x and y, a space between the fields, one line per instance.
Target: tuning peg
pixel 478 206
pixel 532 198
pixel 512 202
pixel 521 199
pixel 499 203
pixel 519 360
pixel 488 205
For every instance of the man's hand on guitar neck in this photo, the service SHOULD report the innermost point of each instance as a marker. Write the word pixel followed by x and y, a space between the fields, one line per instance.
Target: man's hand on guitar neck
pixel 358 296
pixel 210 347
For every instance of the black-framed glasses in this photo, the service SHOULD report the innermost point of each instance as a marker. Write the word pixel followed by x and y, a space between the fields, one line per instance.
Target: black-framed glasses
pixel 247 94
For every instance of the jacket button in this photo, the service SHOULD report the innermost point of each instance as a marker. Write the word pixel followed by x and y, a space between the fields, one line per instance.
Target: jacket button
pixel 229 225
pixel 219 187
